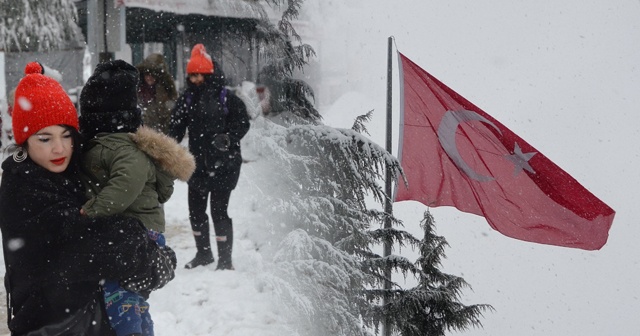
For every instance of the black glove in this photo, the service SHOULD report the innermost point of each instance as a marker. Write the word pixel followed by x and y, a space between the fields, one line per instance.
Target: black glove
pixel 160 271
pixel 222 142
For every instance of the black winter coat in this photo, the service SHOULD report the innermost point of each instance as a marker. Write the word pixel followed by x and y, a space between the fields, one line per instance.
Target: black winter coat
pixel 55 257
pixel 201 110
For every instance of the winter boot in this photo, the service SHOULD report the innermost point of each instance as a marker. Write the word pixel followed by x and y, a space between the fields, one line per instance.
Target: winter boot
pixel 204 256
pixel 224 241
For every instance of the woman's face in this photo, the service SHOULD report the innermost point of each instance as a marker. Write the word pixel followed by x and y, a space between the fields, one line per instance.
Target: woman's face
pixel 149 79
pixel 51 148
pixel 196 79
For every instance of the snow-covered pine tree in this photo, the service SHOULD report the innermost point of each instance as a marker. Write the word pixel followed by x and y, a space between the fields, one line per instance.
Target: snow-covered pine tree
pixel 432 307
pixel 34 25
pixel 284 53
pixel 313 186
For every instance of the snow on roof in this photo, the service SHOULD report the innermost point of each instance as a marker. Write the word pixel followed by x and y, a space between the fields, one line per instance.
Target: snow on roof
pixel 247 9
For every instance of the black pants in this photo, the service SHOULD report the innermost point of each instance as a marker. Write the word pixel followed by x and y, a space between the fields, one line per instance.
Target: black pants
pixel 219 203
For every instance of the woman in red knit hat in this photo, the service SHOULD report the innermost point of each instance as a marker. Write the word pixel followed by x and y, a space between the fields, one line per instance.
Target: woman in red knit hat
pixel 54 257
pixel 217 120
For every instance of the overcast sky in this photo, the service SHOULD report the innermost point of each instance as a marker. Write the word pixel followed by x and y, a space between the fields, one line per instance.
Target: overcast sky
pixel 562 75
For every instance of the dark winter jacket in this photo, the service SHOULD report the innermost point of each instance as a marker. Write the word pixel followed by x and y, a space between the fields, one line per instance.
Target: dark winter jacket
pixel 133 174
pixel 55 257
pixel 207 113
pixel 156 100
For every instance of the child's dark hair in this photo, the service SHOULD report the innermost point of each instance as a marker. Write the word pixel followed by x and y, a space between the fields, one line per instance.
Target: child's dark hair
pixel 74 164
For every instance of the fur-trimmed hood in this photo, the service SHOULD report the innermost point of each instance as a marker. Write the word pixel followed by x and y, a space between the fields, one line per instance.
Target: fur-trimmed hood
pixel 166 152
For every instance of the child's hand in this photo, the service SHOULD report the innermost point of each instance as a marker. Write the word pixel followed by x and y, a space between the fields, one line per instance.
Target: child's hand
pixel 82 212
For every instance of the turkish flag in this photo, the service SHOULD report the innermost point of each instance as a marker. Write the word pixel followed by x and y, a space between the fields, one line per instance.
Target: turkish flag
pixel 455 154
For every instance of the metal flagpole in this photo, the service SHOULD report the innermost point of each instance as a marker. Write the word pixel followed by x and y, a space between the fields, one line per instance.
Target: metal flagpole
pixel 388 206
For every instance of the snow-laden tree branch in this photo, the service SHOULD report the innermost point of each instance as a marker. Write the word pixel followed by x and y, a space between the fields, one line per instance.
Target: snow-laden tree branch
pixel 32 25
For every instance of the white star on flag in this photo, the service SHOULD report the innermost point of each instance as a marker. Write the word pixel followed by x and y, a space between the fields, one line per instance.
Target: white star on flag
pixel 520 160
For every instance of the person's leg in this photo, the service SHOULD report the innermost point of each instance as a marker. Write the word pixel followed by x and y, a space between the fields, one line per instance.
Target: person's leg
pixel 157 237
pixel 147 322
pixel 197 200
pixel 123 309
pixel 223 226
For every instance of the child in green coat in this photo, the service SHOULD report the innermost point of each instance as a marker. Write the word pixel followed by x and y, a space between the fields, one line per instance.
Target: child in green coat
pixel 128 169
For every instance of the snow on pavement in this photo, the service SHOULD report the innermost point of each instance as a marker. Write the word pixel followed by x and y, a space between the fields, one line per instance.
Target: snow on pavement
pixel 203 301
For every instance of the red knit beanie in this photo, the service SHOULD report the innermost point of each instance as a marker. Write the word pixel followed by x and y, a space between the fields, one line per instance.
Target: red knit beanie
pixel 200 62
pixel 39 102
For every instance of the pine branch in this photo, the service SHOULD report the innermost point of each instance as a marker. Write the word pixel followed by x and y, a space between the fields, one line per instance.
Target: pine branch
pixel 359 123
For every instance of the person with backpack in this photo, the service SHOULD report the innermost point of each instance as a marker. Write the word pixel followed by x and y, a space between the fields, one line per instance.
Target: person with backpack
pixel 216 120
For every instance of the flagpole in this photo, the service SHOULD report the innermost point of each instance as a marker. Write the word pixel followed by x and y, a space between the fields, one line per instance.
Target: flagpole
pixel 388 206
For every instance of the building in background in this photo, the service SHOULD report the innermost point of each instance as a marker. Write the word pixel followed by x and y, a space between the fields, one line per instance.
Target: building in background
pixel 133 29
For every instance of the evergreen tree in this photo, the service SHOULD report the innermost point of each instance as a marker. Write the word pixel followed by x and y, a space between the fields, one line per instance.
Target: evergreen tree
pixel 311 188
pixel 432 307
pixel 318 223
pixel 317 192
pixel 34 25
pixel 284 53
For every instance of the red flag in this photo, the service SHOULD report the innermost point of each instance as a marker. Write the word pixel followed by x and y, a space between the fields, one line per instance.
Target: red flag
pixel 455 154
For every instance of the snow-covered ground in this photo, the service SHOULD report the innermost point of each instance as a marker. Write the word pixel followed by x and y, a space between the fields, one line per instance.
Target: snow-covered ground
pixel 203 301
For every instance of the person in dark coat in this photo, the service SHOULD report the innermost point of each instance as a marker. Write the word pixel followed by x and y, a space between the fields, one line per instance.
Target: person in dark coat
pixel 217 120
pixel 156 92
pixel 55 258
